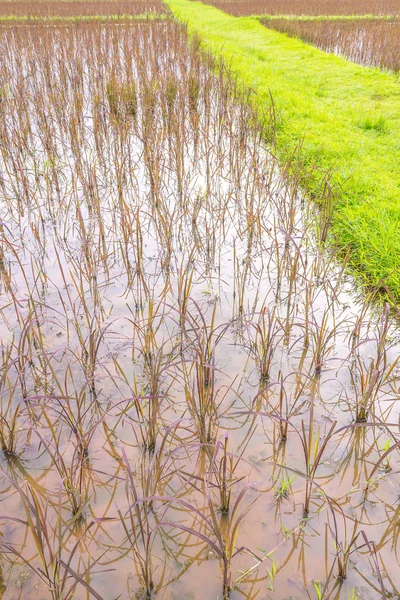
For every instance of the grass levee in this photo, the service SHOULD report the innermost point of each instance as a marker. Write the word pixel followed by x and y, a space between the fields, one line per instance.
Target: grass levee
pixel 344 117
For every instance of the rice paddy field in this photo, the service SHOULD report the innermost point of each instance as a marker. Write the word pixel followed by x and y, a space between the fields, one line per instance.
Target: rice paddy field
pixel 242 8
pixel 199 387
pixel 365 41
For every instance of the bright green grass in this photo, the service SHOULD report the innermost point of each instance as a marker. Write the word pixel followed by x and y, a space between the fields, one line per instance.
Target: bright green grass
pixel 366 17
pixel 74 19
pixel 347 117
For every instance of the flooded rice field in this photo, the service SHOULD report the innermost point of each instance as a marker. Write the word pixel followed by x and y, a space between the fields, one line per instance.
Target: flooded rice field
pixel 196 402
pixel 368 42
pixel 240 8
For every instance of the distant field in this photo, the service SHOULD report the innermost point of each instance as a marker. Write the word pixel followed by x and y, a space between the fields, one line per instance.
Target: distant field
pixel 308 7
pixel 368 42
pixel 48 8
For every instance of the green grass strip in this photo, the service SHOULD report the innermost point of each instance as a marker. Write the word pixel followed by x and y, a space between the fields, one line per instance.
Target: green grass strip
pixel 347 117
pixel 366 17
pixel 83 18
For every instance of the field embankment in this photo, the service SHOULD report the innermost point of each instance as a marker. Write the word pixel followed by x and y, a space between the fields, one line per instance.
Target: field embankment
pixel 345 117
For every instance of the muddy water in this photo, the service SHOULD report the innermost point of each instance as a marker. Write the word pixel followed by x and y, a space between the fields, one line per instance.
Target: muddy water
pixel 163 293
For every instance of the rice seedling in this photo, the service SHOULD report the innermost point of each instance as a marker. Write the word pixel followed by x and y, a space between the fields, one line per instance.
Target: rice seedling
pixel 200 390
pixel 72 472
pixel 272 574
pixel 318 589
pixel 344 553
pixel 140 535
pixel 220 475
pixel 10 413
pixel 224 533
pixel 267 329
pixel 322 341
pixel 223 471
pixel 283 489
pixel 369 378
pixel 55 568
